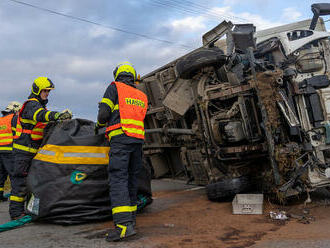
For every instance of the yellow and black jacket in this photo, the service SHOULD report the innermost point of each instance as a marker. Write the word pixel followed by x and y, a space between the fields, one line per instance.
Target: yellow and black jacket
pixel 31 121
pixel 109 115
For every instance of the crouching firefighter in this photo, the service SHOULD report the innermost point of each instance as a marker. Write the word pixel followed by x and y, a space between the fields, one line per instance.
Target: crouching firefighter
pixel 7 128
pixel 32 119
pixel 123 109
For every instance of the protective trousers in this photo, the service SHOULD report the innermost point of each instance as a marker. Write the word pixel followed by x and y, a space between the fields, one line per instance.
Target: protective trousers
pixel 6 161
pixel 125 161
pixel 22 163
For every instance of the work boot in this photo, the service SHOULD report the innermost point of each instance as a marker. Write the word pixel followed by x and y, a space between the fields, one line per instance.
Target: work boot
pixel 17 217
pixel 120 232
pixel 16 210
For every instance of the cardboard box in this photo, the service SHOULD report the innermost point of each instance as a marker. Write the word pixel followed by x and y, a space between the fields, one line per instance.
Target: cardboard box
pixel 248 204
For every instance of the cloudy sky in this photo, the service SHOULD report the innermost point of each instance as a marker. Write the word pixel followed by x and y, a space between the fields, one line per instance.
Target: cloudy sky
pixel 79 49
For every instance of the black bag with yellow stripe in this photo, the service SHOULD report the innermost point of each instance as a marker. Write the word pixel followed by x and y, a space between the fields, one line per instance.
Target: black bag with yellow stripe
pixel 68 178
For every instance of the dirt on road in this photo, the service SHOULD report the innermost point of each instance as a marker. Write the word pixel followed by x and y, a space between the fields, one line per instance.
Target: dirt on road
pixel 182 216
pixel 188 219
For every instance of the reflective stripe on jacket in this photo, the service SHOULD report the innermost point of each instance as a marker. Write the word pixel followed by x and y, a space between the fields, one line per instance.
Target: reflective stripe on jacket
pixel 132 104
pixel 6 133
pixel 27 130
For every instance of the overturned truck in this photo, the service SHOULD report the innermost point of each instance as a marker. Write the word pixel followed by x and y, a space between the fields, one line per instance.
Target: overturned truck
pixel 254 113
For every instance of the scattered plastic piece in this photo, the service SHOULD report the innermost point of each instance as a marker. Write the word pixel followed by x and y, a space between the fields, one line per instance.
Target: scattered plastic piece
pixel 278 215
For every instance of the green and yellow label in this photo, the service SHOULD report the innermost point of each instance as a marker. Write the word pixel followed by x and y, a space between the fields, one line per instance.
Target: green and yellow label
pixel 77 177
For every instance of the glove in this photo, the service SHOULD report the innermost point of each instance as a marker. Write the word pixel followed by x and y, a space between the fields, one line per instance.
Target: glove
pixel 64 115
pixel 96 129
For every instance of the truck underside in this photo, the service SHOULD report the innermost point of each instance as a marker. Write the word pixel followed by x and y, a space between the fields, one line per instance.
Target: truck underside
pixel 255 115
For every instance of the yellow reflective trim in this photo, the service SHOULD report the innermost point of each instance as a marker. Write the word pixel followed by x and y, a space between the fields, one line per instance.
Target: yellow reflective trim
pixel 133 130
pixel 6 148
pixel 36 113
pixel 116 107
pixel 115 132
pixel 27 121
pixel 123 230
pixel 34 136
pixel 47 115
pixel 123 209
pixel 13 128
pixel 38 130
pixel 131 121
pixel 24 148
pixel 1 189
pixel 16 198
pixel 100 124
pixel 108 102
pixel 6 140
pixel 6 134
pixel 60 158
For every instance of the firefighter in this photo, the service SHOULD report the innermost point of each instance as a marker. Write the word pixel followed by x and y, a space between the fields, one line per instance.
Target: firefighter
pixel 6 142
pixel 32 119
pixel 122 110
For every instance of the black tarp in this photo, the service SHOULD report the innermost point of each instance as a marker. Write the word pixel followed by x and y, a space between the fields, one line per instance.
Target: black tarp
pixel 68 181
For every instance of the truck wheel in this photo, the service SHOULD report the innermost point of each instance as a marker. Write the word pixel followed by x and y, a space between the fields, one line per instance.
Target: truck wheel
pixel 228 188
pixel 188 66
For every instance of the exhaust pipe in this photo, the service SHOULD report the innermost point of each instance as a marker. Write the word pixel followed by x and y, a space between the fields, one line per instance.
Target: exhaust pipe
pixel 319 9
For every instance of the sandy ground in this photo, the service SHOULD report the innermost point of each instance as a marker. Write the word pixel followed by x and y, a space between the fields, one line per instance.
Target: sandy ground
pixel 181 216
pixel 187 219
pixel 196 222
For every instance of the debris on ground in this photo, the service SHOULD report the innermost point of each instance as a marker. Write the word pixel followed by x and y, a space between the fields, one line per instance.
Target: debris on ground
pixel 278 215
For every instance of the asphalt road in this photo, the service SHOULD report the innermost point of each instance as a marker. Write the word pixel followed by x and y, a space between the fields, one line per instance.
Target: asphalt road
pixel 40 235
pixel 158 230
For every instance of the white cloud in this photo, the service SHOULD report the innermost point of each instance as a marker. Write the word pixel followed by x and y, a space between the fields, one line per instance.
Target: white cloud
pixel 96 32
pixel 188 24
pixel 291 14
pixel 83 65
pixel 234 2
pixel 260 22
pixel 231 2
pixel 196 26
pixel 153 54
pixel 257 20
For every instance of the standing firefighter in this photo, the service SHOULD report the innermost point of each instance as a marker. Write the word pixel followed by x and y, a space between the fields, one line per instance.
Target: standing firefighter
pixel 32 119
pixel 123 109
pixel 7 128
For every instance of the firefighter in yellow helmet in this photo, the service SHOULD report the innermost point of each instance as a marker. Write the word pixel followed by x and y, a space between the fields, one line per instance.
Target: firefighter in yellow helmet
pixel 123 109
pixel 32 119
pixel 7 129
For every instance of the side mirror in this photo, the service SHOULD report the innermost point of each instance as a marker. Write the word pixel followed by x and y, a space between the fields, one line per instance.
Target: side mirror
pixel 319 9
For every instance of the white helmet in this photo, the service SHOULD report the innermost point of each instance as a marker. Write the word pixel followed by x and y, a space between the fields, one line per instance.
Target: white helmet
pixel 12 107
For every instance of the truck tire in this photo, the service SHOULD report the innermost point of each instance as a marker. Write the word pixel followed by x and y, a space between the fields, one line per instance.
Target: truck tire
pixel 228 188
pixel 188 66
